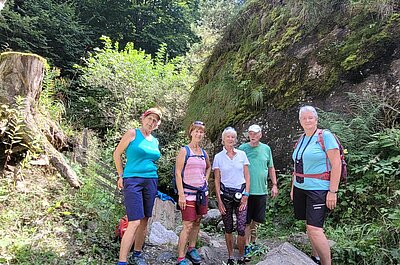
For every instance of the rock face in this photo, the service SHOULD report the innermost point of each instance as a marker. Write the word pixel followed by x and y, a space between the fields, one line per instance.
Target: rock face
pixel 270 62
pixel 286 254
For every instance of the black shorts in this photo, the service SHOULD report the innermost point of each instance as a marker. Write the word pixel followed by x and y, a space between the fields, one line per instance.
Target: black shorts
pixel 256 206
pixel 310 205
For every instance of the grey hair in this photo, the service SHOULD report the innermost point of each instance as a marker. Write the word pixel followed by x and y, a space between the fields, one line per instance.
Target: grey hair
pixel 226 131
pixel 308 109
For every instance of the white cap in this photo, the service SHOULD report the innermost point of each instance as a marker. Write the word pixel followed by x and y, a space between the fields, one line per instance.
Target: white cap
pixel 254 128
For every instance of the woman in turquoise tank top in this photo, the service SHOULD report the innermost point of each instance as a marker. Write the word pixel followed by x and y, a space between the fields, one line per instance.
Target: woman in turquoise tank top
pixel 138 180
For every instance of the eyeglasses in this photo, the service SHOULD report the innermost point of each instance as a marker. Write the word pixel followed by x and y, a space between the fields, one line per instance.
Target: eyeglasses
pixel 199 123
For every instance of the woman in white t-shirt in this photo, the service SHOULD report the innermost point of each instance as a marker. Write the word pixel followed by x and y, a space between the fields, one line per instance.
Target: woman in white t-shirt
pixel 232 184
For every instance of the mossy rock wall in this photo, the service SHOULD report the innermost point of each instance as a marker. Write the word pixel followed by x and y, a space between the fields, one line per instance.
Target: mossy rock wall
pixel 271 61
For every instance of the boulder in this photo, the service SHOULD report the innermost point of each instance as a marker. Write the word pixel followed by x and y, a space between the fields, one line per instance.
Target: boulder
pixel 159 235
pixel 164 213
pixel 211 218
pixel 286 254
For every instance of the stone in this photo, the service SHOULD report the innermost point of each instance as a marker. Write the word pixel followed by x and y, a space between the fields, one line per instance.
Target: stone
pixel 164 213
pixel 211 218
pixel 159 235
pixel 204 238
pixel 286 254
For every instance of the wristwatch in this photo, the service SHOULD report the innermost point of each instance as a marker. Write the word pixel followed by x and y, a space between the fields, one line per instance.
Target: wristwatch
pixel 333 191
pixel 246 194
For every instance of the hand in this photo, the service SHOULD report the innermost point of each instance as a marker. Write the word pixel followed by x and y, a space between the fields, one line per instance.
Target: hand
pixel 243 203
pixel 274 191
pixel 291 194
pixel 221 207
pixel 331 199
pixel 120 183
pixel 182 201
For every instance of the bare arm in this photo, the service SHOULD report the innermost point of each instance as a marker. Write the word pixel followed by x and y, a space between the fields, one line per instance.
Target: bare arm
pixel 128 137
pixel 243 202
pixel 217 176
pixel 272 176
pixel 180 161
pixel 208 167
pixel 334 159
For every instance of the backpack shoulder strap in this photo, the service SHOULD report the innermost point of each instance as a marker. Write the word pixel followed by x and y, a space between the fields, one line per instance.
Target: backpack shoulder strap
pixel 298 140
pixel 321 139
pixel 187 149
pixel 204 153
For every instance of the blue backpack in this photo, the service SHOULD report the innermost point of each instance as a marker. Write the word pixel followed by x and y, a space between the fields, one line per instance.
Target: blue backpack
pixel 204 155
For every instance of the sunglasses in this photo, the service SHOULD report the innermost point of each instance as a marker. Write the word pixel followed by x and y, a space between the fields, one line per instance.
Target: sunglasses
pixel 199 123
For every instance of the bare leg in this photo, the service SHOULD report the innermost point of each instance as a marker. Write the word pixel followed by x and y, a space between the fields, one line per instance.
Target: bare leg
pixel 127 239
pixel 319 242
pixel 194 232
pixel 141 234
pixel 248 234
pixel 241 240
pixel 253 231
pixel 183 238
pixel 229 243
pixel 314 251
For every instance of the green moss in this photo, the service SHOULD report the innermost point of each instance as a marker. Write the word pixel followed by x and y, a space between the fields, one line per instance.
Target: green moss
pixel 270 41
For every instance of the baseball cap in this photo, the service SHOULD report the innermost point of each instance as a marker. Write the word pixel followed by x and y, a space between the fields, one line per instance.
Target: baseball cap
pixel 156 111
pixel 254 128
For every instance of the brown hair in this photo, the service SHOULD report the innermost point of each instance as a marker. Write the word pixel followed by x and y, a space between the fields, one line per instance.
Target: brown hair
pixel 196 125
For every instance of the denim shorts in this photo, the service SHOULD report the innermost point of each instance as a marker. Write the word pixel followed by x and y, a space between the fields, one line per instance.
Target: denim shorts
pixel 139 196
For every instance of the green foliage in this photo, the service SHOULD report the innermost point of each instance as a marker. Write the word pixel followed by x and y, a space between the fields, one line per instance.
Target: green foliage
pixel 17 142
pixel 117 86
pixel 65 226
pixel 49 28
pixel 267 57
pixel 48 101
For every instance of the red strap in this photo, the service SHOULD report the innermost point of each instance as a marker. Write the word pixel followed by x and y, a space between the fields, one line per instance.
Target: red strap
pixel 322 176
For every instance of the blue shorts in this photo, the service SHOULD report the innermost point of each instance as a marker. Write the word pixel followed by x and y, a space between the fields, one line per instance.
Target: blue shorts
pixel 139 196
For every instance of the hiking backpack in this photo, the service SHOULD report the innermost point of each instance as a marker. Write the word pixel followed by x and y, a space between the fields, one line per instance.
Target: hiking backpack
pixel 326 175
pixel 121 227
pixel 184 165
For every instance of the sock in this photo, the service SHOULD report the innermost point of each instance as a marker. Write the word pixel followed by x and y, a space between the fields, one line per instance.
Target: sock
pixel 180 259
pixel 137 253
pixel 190 249
pixel 122 263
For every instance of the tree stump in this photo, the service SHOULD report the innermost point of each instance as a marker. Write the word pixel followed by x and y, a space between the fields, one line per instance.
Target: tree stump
pixel 21 74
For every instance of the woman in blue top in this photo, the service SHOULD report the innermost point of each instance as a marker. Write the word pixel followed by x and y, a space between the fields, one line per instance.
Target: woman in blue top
pixel 315 182
pixel 138 180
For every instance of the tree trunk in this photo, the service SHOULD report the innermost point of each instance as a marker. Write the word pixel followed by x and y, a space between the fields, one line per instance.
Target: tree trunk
pixel 22 74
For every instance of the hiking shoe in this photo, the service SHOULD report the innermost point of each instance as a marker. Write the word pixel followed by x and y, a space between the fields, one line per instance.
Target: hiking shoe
pixel 315 260
pixel 241 261
pixel 230 262
pixel 193 256
pixel 139 260
pixel 247 253
pixel 183 262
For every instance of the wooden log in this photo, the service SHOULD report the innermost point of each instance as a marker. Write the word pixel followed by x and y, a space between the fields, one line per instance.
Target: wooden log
pixel 21 74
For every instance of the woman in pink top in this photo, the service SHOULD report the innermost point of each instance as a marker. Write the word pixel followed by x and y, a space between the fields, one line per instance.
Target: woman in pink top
pixel 192 171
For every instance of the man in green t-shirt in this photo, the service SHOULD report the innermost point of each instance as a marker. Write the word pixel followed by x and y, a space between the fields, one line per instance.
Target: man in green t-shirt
pixel 261 166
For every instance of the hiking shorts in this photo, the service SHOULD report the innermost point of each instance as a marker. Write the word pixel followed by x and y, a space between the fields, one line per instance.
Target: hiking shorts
pixel 241 216
pixel 192 211
pixel 139 196
pixel 256 207
pixel 310 205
